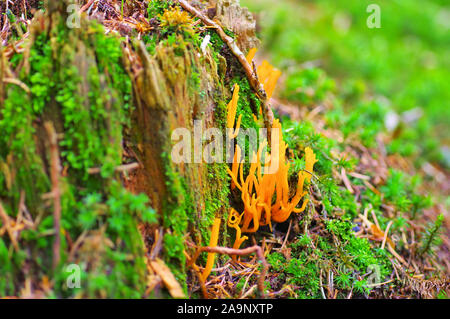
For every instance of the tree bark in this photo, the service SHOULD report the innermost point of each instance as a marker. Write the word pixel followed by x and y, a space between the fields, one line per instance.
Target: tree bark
pixel 171 89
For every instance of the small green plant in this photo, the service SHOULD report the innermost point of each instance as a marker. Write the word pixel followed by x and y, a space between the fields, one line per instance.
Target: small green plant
pixel 344 280
pixel 431 237
pixel 361 286
pixel 277 261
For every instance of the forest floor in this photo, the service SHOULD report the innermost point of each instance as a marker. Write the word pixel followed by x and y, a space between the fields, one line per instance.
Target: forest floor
pixel 377 224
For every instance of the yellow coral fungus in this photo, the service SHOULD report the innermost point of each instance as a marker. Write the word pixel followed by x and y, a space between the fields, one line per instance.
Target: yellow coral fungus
pixel 232 109
pixel 266 196
pixel 267 74
pixel 235 167
pixel 251 54
pixel 212 243
pixel 310 160
pixel 234 220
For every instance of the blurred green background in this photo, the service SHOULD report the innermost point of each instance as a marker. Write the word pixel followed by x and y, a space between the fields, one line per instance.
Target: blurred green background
pixel 404 65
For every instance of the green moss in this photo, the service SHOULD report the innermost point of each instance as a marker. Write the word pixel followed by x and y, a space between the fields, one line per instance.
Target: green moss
pixel 84 114
pixel 194 81
pixel 248 104
pixel 178 209
pixel 314 257
pixel 93 121
pixel 216 41
pixel 17 116
pixel 180 214
pixel 217 200
pixel 304 272
pixel 157 7
pixel 277 261
pixel 174 35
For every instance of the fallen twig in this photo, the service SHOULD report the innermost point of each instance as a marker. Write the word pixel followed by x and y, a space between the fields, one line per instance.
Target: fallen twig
pixel 346 181
pixel 380 284
pixel 246 282
pixel 249 71
pixel 87 5
pixel 5 220
pixel 18 83
pixel 386 234
pixel 249 292
pixel 287 235
pixel 121 168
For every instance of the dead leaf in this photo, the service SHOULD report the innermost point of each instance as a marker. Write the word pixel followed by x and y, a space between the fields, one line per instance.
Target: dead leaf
pixel 168 278
pixel 378 235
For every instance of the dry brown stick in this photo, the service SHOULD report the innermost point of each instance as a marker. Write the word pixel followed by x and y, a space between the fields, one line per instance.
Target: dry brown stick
pixel 25 8
pixel 239 252
pixel 249 292
pixel 386 234
pixel 87 5
pixel 56 192
pixel 17 82
pixel 121 168
pixel 5 218
pixel 280 292
pixel 249 71
pixel 157 245
pixel 76 245
pixel 246 282
pixel 6 16
pixel 287 234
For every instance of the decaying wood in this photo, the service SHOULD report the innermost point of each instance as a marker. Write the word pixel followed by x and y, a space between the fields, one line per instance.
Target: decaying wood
pixel 55 171
pixel 166 101
pixel 249 71
pixel 239 20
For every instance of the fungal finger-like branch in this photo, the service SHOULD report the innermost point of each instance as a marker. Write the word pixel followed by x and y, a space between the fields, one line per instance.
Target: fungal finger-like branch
pixel 251 76
pixel 232 109
pixel 212 243
pixel 198 273
pixel 239 252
